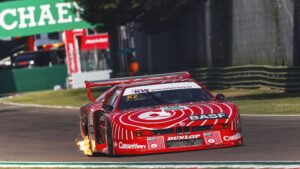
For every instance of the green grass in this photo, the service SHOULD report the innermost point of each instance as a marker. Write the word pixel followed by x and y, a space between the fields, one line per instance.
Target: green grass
pixel 75 97
pixel 263 100
pixel 249 101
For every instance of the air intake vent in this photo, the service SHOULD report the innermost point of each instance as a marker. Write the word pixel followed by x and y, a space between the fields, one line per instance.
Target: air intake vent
pixel 183 143
pixel 201 128
pixel 180 130
pixel 163 131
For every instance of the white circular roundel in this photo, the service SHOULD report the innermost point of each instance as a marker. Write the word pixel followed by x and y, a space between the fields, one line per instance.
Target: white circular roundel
pixel 154 146
pixel 155 115
pixel 211 141
pixel 115 144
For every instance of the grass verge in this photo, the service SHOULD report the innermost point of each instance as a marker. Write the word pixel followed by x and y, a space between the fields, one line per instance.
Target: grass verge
pixel 75 97
pixel 263 100
pixel 249 101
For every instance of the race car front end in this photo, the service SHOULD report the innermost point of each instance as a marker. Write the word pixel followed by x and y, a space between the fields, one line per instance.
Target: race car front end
pixel 205 131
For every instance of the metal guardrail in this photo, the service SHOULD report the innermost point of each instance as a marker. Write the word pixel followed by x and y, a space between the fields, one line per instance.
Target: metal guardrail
pixel 250 76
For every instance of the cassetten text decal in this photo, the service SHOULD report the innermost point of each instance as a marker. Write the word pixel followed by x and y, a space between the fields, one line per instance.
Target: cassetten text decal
pixel 131 146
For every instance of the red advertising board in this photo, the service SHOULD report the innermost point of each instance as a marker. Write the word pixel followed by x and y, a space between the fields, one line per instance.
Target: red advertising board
pixel 72 49
pixel 76 40
pixel 91 42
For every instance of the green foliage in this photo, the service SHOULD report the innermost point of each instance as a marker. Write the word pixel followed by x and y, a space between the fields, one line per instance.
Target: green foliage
pixel 110 12
pixel 147 12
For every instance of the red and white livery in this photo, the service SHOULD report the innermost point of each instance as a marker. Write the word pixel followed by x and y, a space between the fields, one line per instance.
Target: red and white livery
pixel 157 114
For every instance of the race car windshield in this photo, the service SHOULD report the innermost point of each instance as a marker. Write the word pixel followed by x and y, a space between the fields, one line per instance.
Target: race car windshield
pixel 161 94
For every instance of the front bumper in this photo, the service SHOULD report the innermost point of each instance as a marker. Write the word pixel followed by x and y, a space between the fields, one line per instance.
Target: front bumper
pixel 182 142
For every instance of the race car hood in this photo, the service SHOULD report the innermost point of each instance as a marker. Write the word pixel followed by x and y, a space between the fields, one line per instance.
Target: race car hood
pixel 161 117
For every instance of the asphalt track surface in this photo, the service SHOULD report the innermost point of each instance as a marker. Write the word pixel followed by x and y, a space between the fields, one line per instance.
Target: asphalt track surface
pixel 47 134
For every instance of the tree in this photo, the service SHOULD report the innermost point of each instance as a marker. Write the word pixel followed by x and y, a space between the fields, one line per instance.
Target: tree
pixel 150 13
pixel 110 13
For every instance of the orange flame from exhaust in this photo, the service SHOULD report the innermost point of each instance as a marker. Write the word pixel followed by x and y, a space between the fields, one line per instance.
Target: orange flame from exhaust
pixel 85 146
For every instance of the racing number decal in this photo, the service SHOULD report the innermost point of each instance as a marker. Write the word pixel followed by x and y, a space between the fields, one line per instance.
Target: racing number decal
pixel 132 97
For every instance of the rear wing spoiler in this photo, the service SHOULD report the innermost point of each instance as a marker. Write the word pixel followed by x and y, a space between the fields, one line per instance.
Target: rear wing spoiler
pixel 128 80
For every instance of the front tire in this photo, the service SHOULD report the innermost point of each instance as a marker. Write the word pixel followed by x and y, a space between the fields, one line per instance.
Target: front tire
pixel 83 128
pixel 85 136
pixel 110 142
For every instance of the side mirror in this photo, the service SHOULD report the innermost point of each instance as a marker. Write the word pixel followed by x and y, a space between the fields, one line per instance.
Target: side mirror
pixel 109 108
pixel 220 97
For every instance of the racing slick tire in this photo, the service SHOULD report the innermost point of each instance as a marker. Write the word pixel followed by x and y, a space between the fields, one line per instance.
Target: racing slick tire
pixel 110 142
pixel 84 134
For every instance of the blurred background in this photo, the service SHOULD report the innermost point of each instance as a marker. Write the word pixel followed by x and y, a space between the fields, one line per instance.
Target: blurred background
pixel 223 44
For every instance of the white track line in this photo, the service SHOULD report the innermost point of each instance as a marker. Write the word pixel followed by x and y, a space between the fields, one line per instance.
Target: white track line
pixel 40 106
pixel 200 165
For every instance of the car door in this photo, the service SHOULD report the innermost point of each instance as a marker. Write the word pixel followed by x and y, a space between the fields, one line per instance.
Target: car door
pixel 102 117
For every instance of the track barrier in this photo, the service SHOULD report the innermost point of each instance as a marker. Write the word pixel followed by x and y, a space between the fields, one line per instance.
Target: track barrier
pixel 249 76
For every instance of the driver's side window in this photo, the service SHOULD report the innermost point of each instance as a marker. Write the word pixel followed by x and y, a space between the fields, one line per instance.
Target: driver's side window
pixel 108 96
pixel 111 99
pixel 114 98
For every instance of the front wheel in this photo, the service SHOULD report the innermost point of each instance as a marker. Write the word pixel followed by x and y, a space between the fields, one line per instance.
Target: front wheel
pixel 84 143
pixel 110 144
pixel 83 128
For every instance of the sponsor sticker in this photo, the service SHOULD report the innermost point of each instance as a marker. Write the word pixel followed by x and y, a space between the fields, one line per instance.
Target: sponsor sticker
pixel 173 108
pixel 184 137
pixel 208 116
pixel 161 87
pixel 213 138
pixel 156 142
pixel 138 91
pixel 131 146
pixel 237 136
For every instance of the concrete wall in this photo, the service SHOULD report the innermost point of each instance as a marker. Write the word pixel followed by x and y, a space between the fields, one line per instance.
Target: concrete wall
pixel 179 48
pixel 262 32
pixel 217 33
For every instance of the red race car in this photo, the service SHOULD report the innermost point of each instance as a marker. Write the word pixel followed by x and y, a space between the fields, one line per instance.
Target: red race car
pixel 157 114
